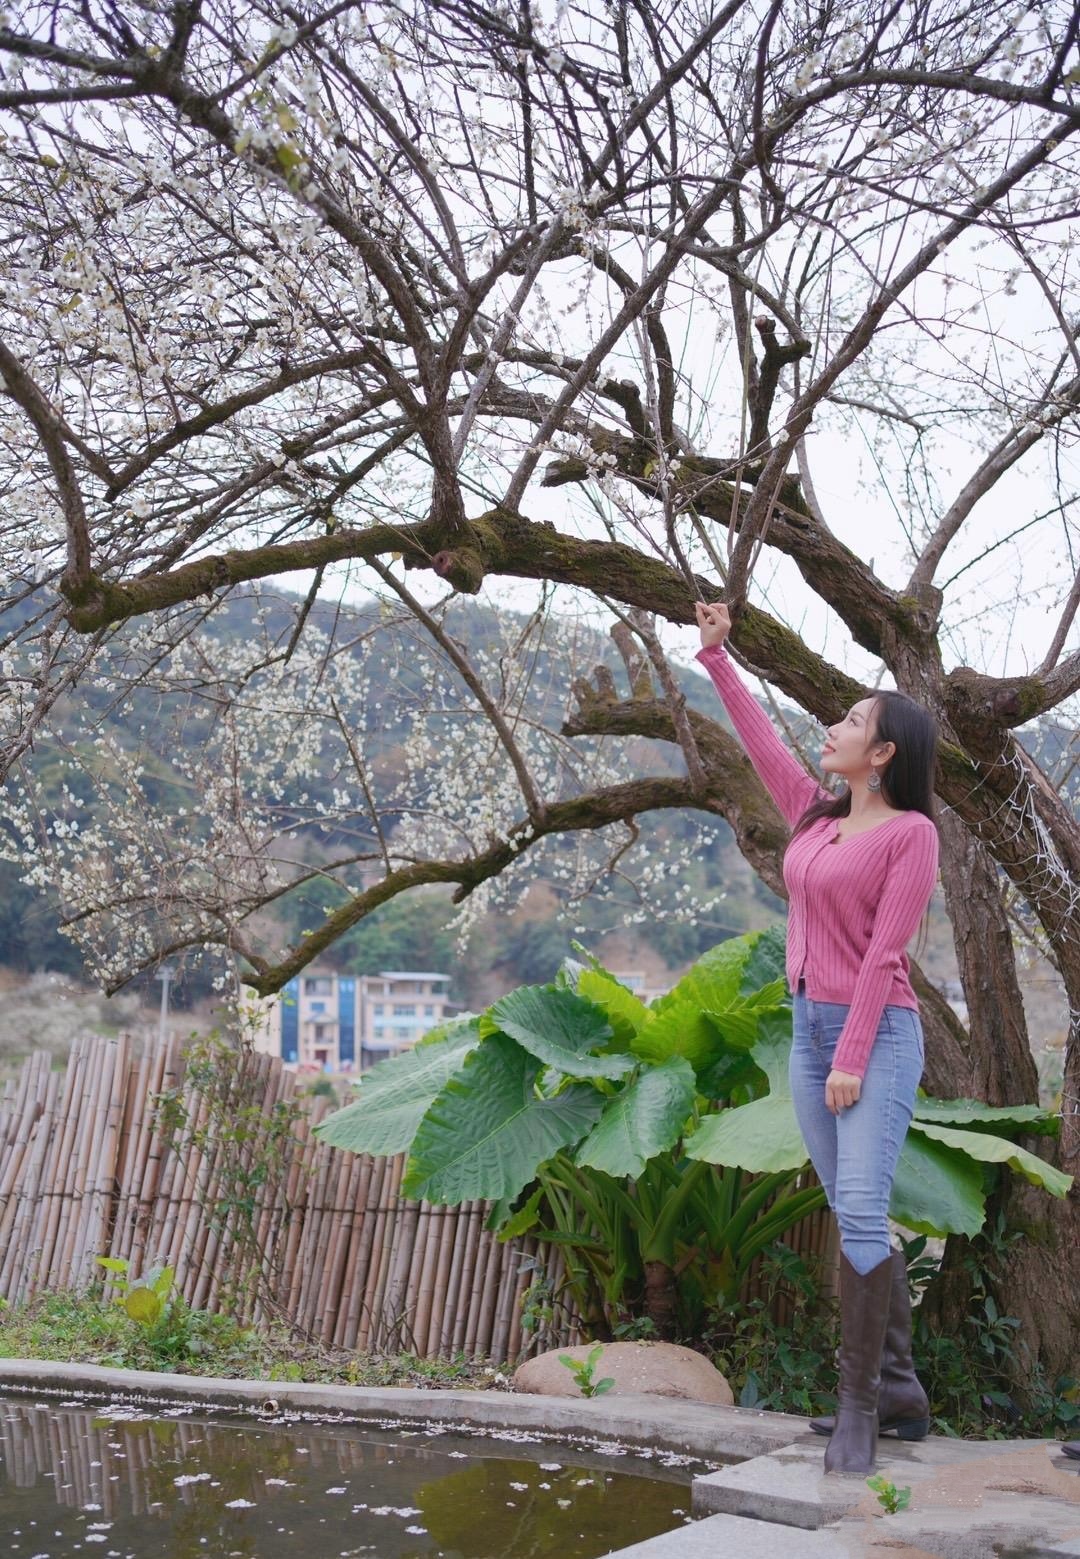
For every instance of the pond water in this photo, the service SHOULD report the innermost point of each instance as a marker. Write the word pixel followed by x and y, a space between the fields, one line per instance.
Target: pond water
pixel 123 1482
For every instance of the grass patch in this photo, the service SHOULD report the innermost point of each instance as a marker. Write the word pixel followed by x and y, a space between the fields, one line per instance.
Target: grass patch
pixel 84 1329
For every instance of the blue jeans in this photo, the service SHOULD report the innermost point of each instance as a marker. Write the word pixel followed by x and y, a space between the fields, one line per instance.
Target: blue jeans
pixel 855 1153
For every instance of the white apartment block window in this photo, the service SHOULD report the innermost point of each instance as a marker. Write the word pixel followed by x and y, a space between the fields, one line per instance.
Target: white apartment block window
pixel 403 1033
pixel 378 1009
pixel 380 1032
pixel 404 1012
pixel 429 1012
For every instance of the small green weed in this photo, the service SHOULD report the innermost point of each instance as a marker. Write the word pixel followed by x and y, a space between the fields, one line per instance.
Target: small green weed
pixel 584 1370
pixel 890 1498
pixel 641 1329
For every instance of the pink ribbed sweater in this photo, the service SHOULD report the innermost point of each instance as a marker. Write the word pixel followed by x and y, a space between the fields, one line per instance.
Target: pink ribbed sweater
pixel 854 903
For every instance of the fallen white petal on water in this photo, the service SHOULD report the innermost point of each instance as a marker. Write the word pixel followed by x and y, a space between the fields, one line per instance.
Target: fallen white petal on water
pixel 279 1483
pixel 521 1487
pixel 418 1530
pixel 239 1504
pixel 192 1477
pixel 551 1466
pixel 340 1490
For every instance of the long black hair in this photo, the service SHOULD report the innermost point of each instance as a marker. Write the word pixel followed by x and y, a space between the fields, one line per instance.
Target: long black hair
pixel 907 780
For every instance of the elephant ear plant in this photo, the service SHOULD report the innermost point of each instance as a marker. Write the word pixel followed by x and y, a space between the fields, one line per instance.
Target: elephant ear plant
pixel 656 1144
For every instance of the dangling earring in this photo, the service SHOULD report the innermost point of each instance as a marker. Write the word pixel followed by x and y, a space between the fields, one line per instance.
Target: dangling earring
pixel 874 780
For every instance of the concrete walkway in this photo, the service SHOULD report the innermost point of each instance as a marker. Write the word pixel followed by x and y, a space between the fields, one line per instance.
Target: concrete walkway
pixel 1000 1499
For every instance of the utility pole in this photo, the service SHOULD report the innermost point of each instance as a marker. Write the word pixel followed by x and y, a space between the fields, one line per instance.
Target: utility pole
pixel 164 974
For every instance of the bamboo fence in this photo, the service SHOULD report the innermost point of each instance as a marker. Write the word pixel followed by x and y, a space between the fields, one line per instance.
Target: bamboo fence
pixel 216 1172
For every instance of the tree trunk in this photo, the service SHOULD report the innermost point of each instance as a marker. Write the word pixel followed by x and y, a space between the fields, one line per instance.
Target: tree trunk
pixel 1002 1067
pixel 661 1299
pixel 1037 1277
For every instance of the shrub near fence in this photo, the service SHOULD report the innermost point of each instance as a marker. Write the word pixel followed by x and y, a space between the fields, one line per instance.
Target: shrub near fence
pixel 205 1159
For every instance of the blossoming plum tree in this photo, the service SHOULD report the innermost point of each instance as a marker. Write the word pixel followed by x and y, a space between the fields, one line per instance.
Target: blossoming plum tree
pixel 625 301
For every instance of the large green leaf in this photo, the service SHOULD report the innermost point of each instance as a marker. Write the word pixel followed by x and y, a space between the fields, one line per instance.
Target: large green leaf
pixel 643 1119
pixel 937 1190
pixel 557 1027
pixel 488 1132
pixel 738 1025
pixel 677 1029
pixel 396 1094
pixel 626 1012
pixel 448 1028
pixel 726 991
pixel 766 961
pixel 715 980
pixel 962 1112
pixel 998 1150
pixel 733 1074
pixel 762 1136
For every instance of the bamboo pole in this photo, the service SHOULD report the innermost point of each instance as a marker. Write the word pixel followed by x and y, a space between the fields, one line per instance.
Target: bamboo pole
pixel 269 1196
pixel 352 1293
pixel 20 1148
pixel 359 1320
pixel 505 1301
pixel 463 1297
pixel 485 1310
pixel 429 1241
pixel 43 1238
pixel 335 1298
pixel 388 1215
pixel 152 1154
pixel 395 1304
pixel 439 1281
pixel 246 1089
pixel 135 1105
pixel 18 1245
pixel 458 1263
pixel 94 1226
pixel 88 1151
pixel 72 1168
pixel 298 1190
pixel 203 1234
pixel 318 1296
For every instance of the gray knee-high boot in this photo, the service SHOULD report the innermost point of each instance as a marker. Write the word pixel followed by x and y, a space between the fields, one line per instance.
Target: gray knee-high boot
pixel 902 1403
pixel 864 1315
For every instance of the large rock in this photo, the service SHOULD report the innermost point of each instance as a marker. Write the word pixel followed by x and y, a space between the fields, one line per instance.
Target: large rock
pixel 659 1369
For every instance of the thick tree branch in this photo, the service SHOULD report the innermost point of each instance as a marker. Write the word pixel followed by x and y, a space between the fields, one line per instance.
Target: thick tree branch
pixel 50 430
pixel 598 809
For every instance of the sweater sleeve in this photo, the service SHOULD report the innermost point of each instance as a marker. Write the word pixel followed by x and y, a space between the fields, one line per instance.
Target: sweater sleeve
pixel 780 772
pixel 909 882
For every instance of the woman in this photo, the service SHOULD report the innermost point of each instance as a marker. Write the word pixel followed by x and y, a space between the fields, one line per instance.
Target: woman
pixel 860 868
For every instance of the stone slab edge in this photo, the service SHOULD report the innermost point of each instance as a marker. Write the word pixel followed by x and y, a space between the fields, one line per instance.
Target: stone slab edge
pixel 707 1433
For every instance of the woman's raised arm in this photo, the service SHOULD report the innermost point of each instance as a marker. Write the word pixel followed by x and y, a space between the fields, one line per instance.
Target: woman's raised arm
pixel 779 770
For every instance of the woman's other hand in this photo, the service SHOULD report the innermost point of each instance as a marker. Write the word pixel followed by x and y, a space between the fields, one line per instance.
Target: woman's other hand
pixel 713 621
pixel 842 1090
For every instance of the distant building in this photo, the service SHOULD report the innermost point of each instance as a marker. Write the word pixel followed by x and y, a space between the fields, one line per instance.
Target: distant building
pixel 397 1007
pixel 638 981
pixel 343 1023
